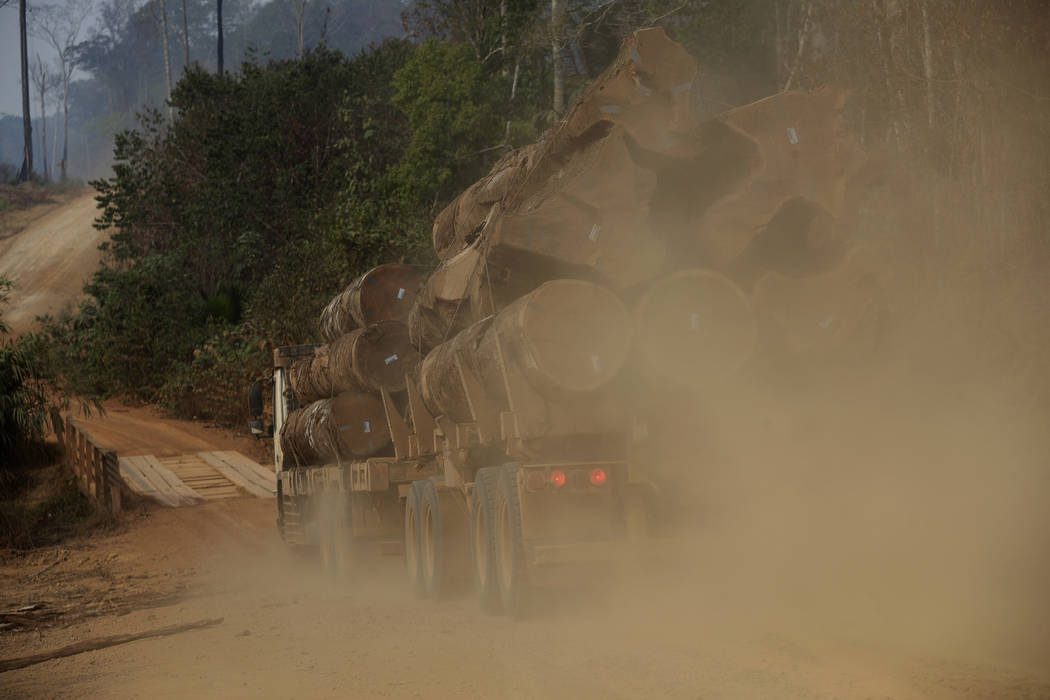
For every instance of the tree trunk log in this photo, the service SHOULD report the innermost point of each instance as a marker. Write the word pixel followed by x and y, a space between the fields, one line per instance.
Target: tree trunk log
pixel 373 358
pixel 693 328
pixel 565 338
pixel 348 426
pixel 384 293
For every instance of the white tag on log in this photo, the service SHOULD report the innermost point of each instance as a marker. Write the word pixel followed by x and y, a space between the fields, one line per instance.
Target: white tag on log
pixel 343 427
pixel 792 136
pixel 694 321
pixel 826 322
pixel 596 363
pixel 644 90
pixel 368 427
pixel 636 57
pixel 595 230
pixel 401 293
pixel 391 359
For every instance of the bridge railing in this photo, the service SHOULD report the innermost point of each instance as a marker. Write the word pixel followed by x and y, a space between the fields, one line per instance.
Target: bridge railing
pixel 96 469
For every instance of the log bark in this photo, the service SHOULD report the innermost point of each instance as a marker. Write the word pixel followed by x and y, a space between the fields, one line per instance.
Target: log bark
pixel 566 337
pixel 644 93
pixel 347 426
pixel 311 377
pixel 384 293
pixel 693 328
pixel 802 239
pixel 373 358
pixel 439 378
pixel 461 222
pixel 825 317
pixel 805 152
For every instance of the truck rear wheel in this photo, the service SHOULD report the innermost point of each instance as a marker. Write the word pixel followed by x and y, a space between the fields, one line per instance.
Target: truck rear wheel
pixel 412 533
pixel 511 568
pixel 482 538
pixel 443 536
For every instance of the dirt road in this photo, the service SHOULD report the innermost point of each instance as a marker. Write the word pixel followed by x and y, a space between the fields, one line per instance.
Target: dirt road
pixel 49 252
pixel 288 631
pixel 137 430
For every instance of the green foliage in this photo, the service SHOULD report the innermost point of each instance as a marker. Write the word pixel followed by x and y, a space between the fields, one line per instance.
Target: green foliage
pixel 451 110
pixel 30 397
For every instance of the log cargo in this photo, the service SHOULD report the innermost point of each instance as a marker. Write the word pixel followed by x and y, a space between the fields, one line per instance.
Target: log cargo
pixel 643 94
pixel 835 314
pixel 442 309
pixel 348 426
pixel 693 327
pixel 565 338
pixel 373 358
pixel 805 152
pixel 384 293
pixel 310 377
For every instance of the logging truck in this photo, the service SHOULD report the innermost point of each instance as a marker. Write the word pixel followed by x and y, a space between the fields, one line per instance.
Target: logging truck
pixel 497 418
pixel 525 469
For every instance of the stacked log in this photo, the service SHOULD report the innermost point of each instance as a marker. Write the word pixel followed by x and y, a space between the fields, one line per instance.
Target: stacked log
pixel 694 328
pixel 805 153
pixel 840 313
pixel 566 337
pixel 627 197
pixel 350 425
pixel 384 293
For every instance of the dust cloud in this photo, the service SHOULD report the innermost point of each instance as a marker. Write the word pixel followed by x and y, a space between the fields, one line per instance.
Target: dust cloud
pixel 896 497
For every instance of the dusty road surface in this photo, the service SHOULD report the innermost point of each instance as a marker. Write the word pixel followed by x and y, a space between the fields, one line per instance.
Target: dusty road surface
pixel 49 251
pixel 289 631
pixel 136 430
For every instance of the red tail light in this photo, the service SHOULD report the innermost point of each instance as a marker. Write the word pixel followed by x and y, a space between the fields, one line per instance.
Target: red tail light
pixel 598 477
pixel 558 478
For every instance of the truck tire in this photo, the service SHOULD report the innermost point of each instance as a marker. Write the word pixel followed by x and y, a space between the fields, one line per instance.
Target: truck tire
pixel 482 538
pixel 443 541
pixel 412 535
pixel 511 567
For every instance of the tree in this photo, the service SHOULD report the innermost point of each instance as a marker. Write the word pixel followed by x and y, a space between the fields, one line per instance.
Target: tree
pixel 60 27
pixel 167 54
pixel 300 11
pixel 185 38
pixel 27 125
pixel 44 81
pixel 218 19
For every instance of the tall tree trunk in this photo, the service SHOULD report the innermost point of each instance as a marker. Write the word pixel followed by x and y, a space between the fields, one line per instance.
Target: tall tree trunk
pixel 185 39
pixel 300 12
pixel 556 29
pixel 65 125
pixel 43 124
pixel 218 15
pixel 927 62
pixel 27 125
pixel 803 37
pixel 167 56
pixel 503 36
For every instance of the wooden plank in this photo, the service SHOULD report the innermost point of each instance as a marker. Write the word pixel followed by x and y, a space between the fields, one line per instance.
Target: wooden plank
pixel 177 485
pixel 133 475
pixel 160 484
pixel 234 475
pixel 260 474
pixel 248 470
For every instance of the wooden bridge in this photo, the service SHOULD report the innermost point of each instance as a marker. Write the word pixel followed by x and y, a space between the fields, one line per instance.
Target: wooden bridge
pixel 173 480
